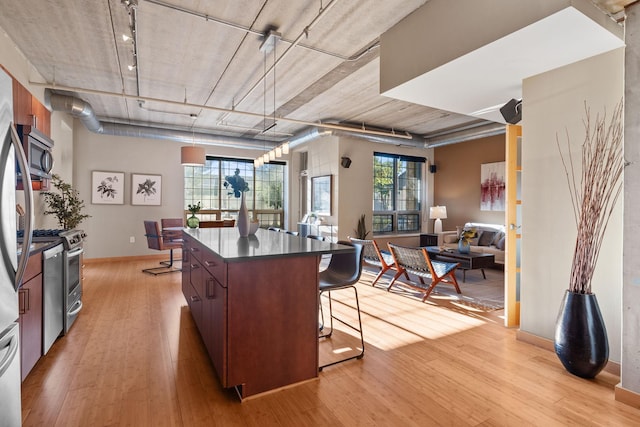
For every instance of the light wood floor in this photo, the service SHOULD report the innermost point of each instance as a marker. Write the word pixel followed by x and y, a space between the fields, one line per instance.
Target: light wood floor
pixel 134 358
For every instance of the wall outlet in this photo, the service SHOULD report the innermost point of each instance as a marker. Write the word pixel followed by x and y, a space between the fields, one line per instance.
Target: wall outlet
pixel 132 239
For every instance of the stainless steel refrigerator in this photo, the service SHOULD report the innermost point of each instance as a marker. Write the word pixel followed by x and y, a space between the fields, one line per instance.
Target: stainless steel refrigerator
pixel 13 266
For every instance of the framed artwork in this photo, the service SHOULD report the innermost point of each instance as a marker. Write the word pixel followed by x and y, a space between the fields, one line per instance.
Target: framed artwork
pixel 146 189
pixel 492 186
pixel 321 191
pixel 107 188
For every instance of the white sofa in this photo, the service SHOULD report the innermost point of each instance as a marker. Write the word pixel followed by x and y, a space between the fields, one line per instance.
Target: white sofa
pixel 493 241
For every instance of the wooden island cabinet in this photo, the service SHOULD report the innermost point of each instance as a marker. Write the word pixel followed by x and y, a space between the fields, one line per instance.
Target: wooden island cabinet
pixel 255 303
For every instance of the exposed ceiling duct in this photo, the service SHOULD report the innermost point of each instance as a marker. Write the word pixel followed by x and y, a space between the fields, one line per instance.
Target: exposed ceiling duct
pixel 453 136
pixel 463 134
pixel 315 133
pixel 83 111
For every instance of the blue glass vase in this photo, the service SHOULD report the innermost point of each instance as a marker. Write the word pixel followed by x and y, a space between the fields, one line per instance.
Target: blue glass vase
pixel 464 247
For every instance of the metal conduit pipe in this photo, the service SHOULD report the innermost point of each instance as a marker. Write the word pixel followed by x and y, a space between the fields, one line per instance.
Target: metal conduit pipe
pixel 315 133
pixel 83 111
pixel 480 131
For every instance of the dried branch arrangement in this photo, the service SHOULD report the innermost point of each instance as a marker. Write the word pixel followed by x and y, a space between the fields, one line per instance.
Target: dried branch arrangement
pixel 596 192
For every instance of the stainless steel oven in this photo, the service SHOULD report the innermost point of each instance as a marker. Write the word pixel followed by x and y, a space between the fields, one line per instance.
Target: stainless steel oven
pixel 72 243
pixel 73 240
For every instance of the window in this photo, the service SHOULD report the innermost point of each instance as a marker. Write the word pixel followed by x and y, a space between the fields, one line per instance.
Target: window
pixel 397 192
pixel 265 198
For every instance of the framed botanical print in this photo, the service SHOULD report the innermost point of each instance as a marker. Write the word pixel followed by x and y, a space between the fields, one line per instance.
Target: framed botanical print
pixel 107 188
pixel 146 189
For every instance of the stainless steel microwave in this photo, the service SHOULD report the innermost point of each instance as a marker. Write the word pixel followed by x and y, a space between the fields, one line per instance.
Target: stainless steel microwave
pixel 37 146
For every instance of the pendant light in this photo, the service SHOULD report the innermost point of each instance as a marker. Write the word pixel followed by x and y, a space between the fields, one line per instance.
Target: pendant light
pixel 190 155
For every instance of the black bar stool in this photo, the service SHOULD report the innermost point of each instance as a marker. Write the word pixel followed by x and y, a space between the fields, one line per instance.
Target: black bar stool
pixel 343 272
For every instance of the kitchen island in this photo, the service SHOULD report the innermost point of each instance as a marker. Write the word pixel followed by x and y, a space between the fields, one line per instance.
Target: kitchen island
pixel 255 303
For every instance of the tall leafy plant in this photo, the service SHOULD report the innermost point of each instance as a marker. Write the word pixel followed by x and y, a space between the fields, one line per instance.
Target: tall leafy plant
pixel 361 230
pixel 65 204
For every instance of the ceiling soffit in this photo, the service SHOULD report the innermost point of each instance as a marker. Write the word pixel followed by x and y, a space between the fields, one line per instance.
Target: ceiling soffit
pixel 489 71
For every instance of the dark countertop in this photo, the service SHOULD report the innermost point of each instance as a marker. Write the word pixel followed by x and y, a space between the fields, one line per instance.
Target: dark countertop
pixel 227 243
pixel 39 246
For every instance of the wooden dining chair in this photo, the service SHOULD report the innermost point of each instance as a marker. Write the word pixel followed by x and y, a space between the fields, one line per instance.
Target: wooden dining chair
pixel 211 224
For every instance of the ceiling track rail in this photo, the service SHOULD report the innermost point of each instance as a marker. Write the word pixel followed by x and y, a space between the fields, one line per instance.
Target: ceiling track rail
pixel 271 69
pixel 239 27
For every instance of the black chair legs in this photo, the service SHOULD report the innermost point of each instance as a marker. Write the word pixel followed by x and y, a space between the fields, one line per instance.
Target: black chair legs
pixel 343 272
pixel 167 267
pixel 328 334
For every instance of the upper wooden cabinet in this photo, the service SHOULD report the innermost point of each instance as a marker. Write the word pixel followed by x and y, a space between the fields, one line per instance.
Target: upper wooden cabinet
pixel 27 110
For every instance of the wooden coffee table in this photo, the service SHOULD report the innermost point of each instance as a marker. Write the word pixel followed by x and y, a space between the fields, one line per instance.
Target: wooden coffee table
pixel 470 261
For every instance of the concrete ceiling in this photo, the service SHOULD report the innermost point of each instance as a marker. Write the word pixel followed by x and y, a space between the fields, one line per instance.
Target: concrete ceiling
pixel 206 55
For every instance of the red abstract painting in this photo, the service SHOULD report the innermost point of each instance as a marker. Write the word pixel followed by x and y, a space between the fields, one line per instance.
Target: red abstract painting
pixel 492 186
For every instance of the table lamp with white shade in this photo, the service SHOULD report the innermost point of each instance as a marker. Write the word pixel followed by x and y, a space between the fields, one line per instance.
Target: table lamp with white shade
pixel 438 213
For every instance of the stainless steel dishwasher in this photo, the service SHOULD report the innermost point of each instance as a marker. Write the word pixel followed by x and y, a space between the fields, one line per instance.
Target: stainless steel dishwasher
pixel 53 305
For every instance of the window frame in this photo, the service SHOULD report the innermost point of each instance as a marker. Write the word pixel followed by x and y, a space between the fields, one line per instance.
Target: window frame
pixel 267 217
pixel 394 213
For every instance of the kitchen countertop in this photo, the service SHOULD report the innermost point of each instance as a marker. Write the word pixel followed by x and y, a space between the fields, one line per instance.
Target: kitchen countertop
pixel 227 243
pixel 39 246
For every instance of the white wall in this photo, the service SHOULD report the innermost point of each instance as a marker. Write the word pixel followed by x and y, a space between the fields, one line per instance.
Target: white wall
pixel 553 103
pixel 353 187
pixel 111 226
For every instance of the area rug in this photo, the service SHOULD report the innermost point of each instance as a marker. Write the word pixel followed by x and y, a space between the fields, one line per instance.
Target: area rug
pixel 477 292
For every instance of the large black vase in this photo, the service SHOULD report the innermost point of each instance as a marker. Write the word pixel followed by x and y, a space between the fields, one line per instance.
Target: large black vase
pixel 581 337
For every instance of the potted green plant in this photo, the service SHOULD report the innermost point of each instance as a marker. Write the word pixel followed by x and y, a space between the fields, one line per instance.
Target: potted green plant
pixel 65 204
pixel 580 336
pixel 361 230
pixel 193 221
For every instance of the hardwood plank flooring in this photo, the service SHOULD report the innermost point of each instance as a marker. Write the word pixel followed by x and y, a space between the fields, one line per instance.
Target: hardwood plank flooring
pixel 134 358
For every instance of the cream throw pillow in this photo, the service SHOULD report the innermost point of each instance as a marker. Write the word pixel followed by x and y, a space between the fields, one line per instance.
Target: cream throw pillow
pixel 450 238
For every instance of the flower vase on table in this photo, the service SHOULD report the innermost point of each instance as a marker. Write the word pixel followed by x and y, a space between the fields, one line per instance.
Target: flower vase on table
pixel 193 221
pixel 243 218
pixel 464 242
pixel 237 187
